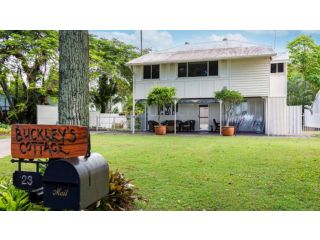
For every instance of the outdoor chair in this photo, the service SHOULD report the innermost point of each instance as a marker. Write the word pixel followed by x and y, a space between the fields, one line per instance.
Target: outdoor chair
pixel 188 125
pixel 216 126
pixel 151 125
pixel 170 125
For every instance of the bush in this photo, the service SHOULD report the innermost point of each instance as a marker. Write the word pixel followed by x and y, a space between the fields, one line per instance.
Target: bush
pixel 161 97
pixel 12 199
pixel 4 129
pixel 5 126
pixel 231 99
pixel 122 194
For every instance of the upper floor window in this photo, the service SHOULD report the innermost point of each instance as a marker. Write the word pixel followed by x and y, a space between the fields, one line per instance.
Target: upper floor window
pixel 151 71
pixel 277 67
pixel 198 69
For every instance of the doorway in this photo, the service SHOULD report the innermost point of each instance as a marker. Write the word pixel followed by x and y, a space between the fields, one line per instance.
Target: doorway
pixel 203 118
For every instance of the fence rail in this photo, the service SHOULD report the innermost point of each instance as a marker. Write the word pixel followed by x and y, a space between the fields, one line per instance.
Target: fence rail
pixel 114 122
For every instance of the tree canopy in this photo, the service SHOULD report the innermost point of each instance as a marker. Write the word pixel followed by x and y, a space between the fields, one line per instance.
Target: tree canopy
pixel 111 79
pixel 231 99
pixel 161 97
pixel 25 59
pixel 303 71
pixel 29 71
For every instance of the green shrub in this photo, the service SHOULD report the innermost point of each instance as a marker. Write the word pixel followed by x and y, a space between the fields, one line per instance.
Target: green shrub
pixel 122 194
pixel 231 99
pixel 161 97
pixel 4 129
pixel 12 199
pixel 6 126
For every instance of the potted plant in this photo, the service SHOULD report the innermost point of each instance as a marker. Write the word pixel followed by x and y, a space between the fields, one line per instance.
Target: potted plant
pixel 160 97
pixel 231 99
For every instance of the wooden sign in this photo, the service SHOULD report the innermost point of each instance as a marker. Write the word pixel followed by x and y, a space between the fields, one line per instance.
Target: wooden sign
pixel 29 141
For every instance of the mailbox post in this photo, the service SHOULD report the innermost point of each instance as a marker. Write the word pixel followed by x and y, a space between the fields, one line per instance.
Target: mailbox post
pixel 74 178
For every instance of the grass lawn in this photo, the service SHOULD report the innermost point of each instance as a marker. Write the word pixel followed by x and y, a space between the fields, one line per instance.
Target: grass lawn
pixel 4 136
pixel 215 173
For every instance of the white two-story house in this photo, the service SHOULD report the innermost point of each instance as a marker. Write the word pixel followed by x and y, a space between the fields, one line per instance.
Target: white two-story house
pixel 198 70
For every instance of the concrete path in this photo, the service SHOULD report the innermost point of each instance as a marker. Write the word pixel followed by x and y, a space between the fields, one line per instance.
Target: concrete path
pixel 5 147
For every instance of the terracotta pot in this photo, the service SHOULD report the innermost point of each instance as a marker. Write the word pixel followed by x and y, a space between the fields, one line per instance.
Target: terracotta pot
pixel 160 130
pixel 228 131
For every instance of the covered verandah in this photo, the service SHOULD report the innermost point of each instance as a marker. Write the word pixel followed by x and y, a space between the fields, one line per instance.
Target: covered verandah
pixel 186 115
pixel 206 115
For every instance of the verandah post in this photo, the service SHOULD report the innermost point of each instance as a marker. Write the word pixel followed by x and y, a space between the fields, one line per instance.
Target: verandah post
pixel 175 116
pixel 220 104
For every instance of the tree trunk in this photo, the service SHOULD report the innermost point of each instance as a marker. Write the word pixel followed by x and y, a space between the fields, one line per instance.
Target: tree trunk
pixel 73 78
pixel 103 108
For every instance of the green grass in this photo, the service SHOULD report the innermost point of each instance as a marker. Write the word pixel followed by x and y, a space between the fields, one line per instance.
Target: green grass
pixel 215 173
pixel 4 136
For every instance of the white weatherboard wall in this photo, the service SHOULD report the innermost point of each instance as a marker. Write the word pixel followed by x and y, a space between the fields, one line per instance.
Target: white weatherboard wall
pixel 250 76
pixel 278 85
pixel 283 119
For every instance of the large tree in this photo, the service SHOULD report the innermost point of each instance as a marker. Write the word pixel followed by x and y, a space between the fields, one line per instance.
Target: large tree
pixel 110 77
pixel 303 71
pixel 105 94
pixel 73 78
pixel 26 57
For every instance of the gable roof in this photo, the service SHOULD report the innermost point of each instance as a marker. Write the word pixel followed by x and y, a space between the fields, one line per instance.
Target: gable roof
pixel 281 57
pixel 205 52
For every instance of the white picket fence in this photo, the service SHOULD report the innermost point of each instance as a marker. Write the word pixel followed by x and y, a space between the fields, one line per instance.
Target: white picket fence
pixel 99 121
pixel 108 121
pixel 49 115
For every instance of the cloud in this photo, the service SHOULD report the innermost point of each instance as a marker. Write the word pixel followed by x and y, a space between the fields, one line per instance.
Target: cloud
pixel 268 32
pixel 310 31
pixel 229 36
pixel 154 39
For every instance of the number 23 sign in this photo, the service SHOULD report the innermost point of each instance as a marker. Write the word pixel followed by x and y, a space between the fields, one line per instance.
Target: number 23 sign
pixel 27 180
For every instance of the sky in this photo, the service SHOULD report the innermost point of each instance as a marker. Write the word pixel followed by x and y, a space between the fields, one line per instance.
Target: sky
pixel 165 39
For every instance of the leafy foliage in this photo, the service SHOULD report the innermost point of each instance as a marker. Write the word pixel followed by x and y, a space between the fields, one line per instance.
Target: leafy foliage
pixel 231 99
pixel 122 194
pixel 110 78
pixel 161 97
pixel 25 58
pixel 4 129
pixel 303 71
pixel 127 106
pixel 12 199
pixel 301 92
pixel 105 94
pixel 29 70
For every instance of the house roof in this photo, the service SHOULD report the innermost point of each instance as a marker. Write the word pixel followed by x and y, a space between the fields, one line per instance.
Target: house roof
pixel 204 52
pixel 281 57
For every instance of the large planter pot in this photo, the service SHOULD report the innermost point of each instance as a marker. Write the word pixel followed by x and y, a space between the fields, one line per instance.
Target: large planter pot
pixel 227 131
pixel 160 130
